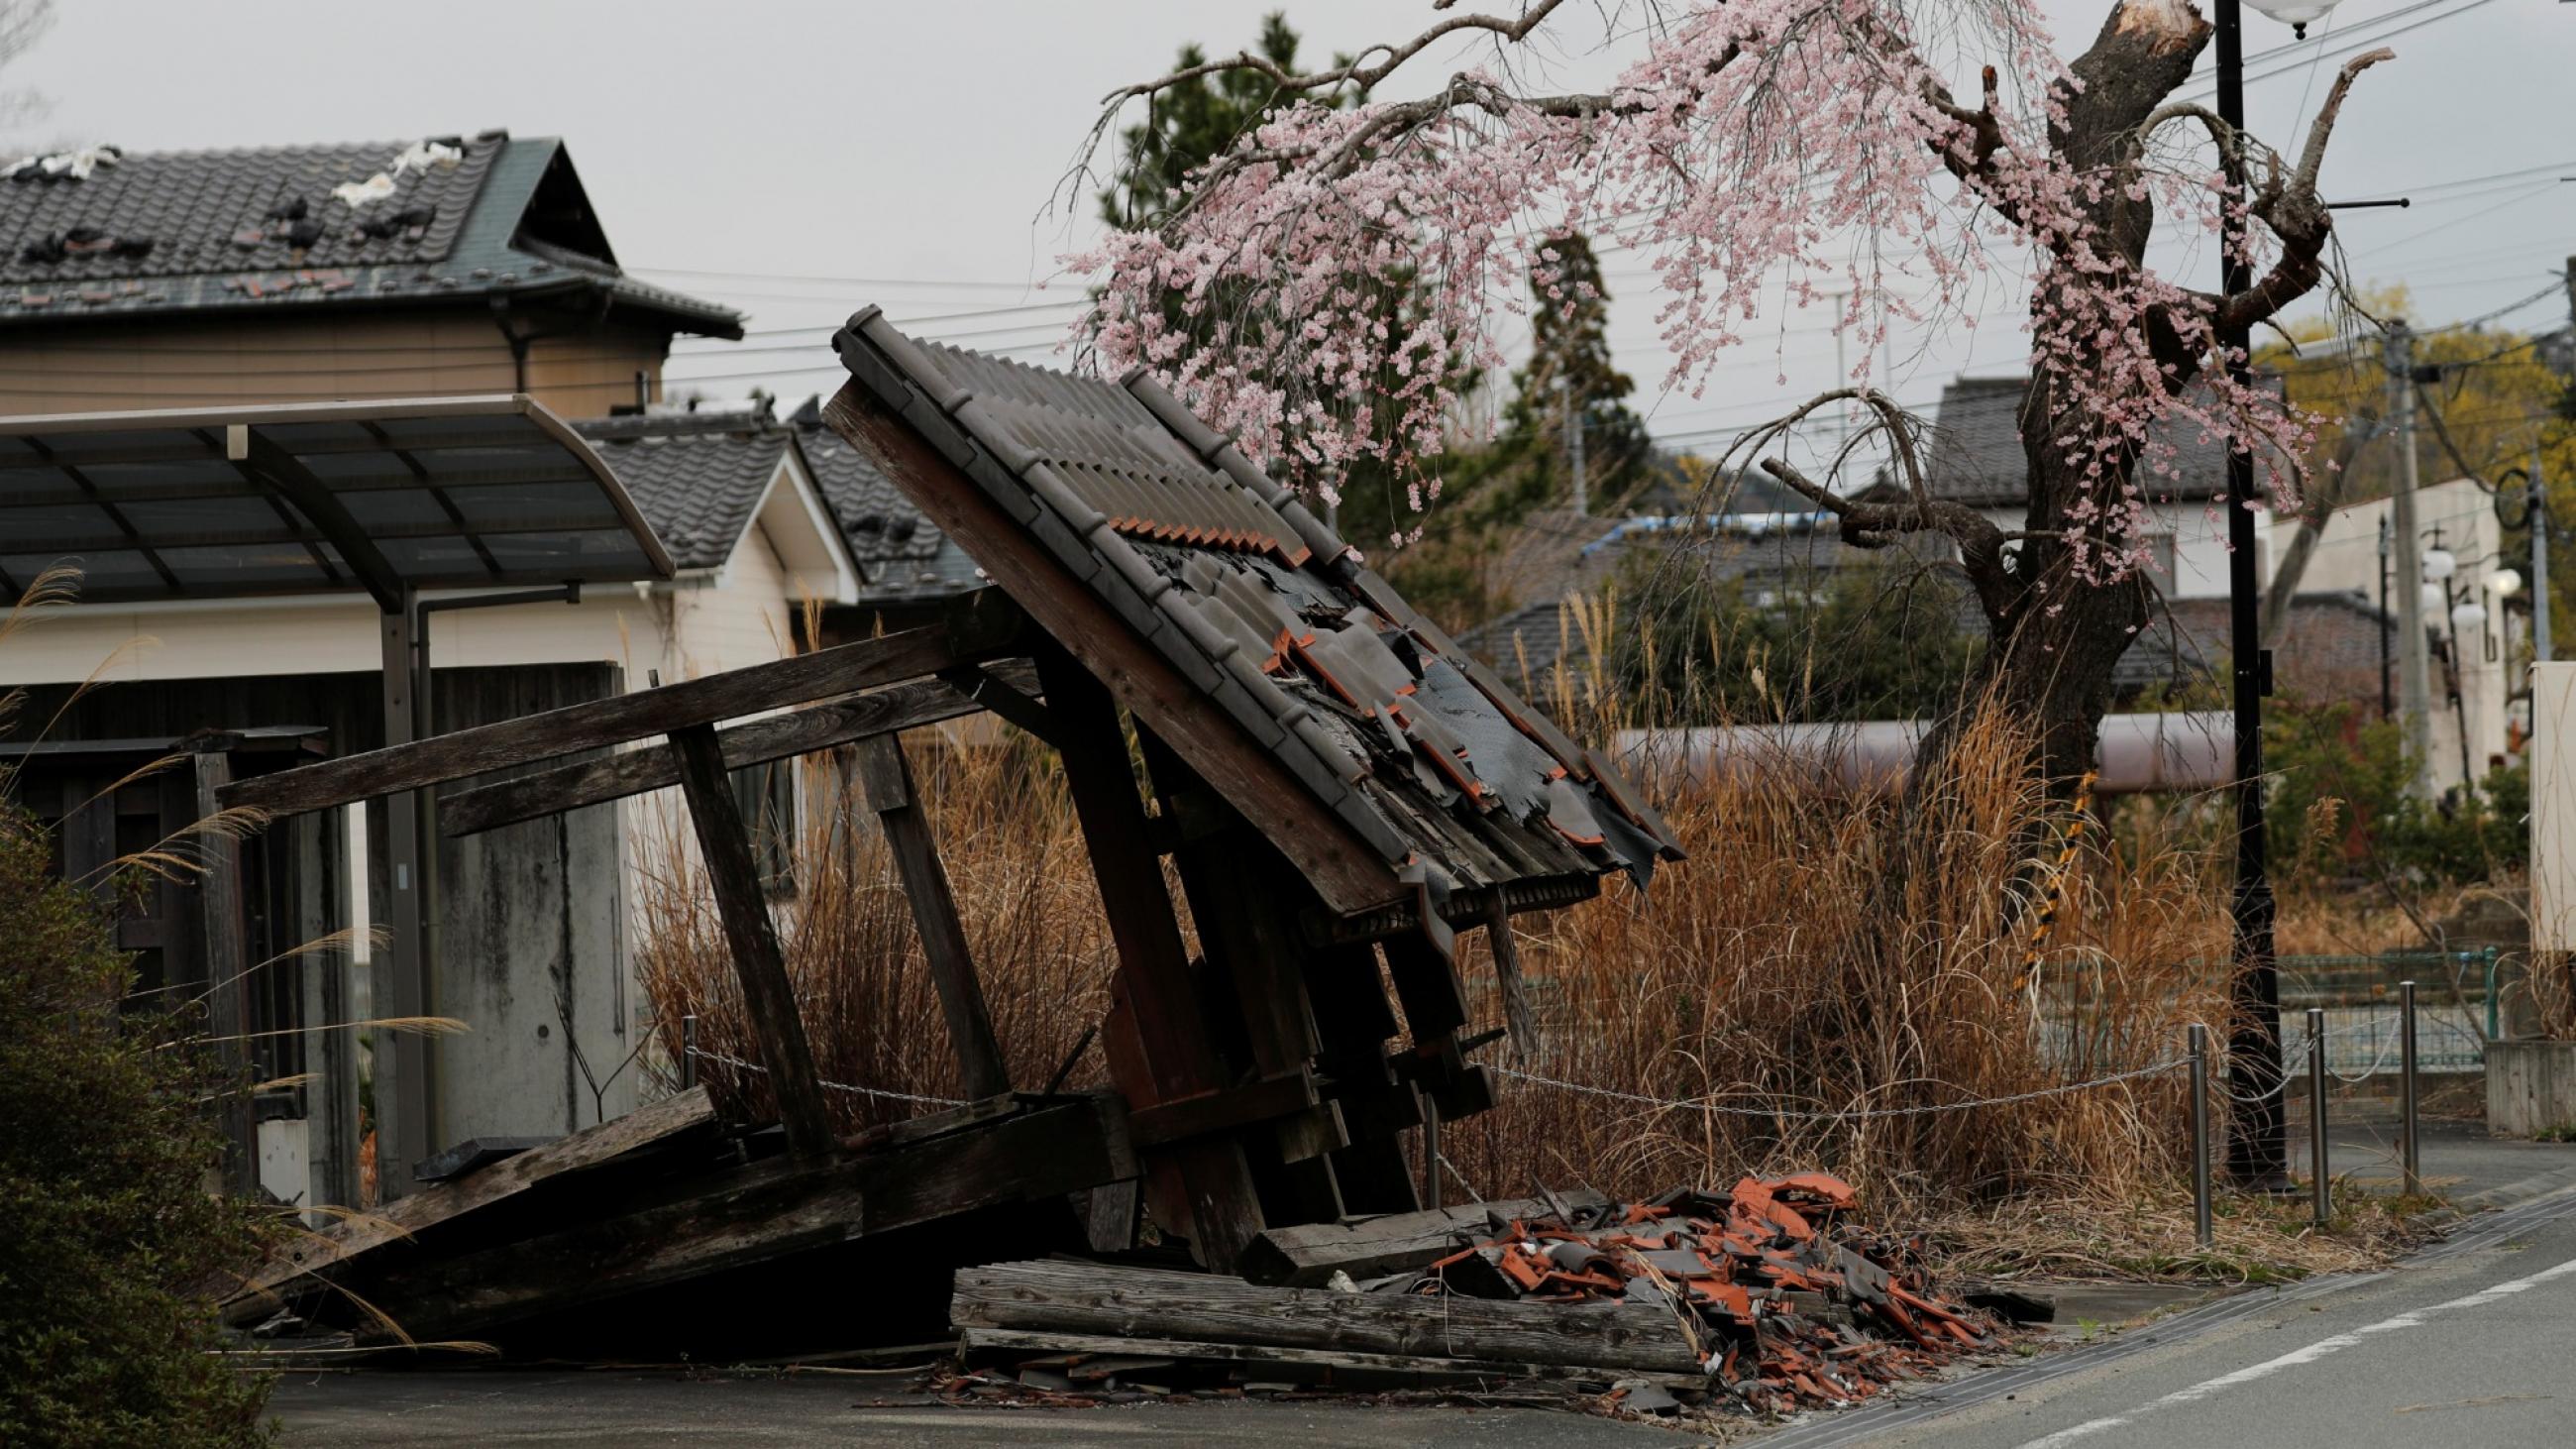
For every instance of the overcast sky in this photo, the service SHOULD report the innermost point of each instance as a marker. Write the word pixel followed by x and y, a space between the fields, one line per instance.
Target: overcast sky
pixel 798 160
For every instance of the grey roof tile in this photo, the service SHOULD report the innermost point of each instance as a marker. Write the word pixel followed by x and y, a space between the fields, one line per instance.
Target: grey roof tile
pixel 1215 568
pixel 696 478
pixel 1976 455
pixel 193 231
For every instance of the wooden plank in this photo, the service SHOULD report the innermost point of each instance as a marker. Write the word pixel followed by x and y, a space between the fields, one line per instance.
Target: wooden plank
pixel 1353 1017
pixel 1243 897
pixel 1346 872
pixel 1007 695
pixel 887 778
pixel 1226 1109
pixel 1153 966
pixel 227 966
pixel 1507 973
pixel 1426 982
pixel 752 937
pixel 801 679
pixel 320 1254
pixel 766 1212
pixel 817 727
pixel 1073 1297
pixel 1309 1254
pixel 1306 1364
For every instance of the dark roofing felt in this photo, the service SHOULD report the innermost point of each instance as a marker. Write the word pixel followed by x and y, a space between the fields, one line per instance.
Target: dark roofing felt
pixel 1976 456
pixel 1411 742
pixel 696 478
pixel 193 231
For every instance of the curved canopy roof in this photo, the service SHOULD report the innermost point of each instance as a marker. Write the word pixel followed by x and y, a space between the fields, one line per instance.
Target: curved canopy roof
pixel 378 495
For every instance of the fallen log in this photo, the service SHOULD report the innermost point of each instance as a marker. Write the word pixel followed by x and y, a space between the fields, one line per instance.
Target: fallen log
pixel 1308 1255
pixel 323 1254
pixel 1303 1364
pixel 1139 1303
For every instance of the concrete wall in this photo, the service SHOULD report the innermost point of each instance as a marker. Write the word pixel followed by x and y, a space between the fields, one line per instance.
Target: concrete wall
pixel 2531 1088
pixel 2552 752
pixel 532 951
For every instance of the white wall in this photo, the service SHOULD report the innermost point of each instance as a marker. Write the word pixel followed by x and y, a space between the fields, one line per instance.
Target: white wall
pixel 2200 552
pixel 2347 560
pixel 2553 806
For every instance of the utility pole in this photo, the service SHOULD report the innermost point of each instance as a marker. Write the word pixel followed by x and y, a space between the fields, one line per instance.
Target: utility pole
pixel 2257 1139
pixel 2387 686
pixel 2538 513
pixel 2415 662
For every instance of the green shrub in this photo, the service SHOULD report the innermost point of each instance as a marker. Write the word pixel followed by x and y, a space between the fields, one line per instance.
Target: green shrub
pixel 2339 799
pixel 106 1221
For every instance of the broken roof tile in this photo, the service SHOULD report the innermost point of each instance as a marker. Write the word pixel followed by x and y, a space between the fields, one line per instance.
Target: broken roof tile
pixel 1418 750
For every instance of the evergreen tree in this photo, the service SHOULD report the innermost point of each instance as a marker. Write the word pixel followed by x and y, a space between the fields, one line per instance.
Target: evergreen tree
pixel 1570 376
pixel 1192 122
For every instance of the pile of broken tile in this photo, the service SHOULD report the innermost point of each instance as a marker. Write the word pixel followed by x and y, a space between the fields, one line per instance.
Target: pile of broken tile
pixel 1768 1298
pixel 1788 1303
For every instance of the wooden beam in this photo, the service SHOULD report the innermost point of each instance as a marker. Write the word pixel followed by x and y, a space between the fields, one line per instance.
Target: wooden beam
pixel 1148 1303
pixel 1352 1014
pixel 769 1211
pixel 227 963
pixel 757 961
pixel 1346 872
pixel 1343 1368
pixel 1153 965
pixel 1309 1254
pixel 1225 1109
pixel 1006 694
pixel 887 779
pixel 318 1255
pixel 598 724
pixel 816 727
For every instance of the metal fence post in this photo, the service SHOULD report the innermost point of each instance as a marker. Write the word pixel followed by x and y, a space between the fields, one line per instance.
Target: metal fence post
pixel 2494 1018
pixel 688 1052
pixel 2200 1133
pixel 1431 1197
pixel 2414 1161
pixel 2317 1184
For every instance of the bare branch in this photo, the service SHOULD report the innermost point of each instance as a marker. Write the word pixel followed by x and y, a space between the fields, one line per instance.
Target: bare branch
pixel 1359 72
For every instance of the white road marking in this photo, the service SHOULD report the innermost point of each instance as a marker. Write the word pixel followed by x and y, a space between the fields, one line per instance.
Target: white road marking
pixel 2322 1348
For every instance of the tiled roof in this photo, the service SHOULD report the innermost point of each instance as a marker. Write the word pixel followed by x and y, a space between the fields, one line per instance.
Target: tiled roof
pixel 1976 456
pixel 903 555
pixel 2330 648
pixel 192 231
pixel 1414 745
pixel 696 477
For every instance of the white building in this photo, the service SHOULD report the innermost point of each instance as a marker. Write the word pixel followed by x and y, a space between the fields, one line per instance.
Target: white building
pixel 2474 674
pixel 535 935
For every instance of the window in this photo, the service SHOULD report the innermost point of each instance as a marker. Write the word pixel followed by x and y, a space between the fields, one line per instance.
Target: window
pixel 766 794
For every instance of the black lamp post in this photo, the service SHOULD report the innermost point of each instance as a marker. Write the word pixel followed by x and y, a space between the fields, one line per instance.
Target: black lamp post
pixel 2257 1141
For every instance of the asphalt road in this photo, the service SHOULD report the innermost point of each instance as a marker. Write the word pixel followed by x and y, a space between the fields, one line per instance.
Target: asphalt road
pixel 2473 1345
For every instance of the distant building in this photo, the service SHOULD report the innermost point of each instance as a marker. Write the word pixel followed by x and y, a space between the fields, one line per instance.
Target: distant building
pixel 449 265
pixel 1976 459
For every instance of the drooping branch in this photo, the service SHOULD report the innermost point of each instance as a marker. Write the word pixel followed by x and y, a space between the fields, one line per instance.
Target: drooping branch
pixel 1871 525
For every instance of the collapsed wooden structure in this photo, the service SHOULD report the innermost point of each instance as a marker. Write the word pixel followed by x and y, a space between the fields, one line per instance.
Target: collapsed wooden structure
pixel 1336 782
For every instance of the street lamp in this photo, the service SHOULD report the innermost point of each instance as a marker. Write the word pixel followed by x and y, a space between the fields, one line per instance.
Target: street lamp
pixel 2257 1138
pixel 2293 13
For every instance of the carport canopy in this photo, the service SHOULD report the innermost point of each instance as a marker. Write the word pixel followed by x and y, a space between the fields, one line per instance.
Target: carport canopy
pixel 388 496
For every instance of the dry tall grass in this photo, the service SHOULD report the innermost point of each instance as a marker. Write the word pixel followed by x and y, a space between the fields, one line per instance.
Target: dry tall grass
pixel 1811 957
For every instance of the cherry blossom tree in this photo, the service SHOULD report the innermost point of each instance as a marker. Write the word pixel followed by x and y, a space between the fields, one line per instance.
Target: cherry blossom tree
pixel 1760 154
